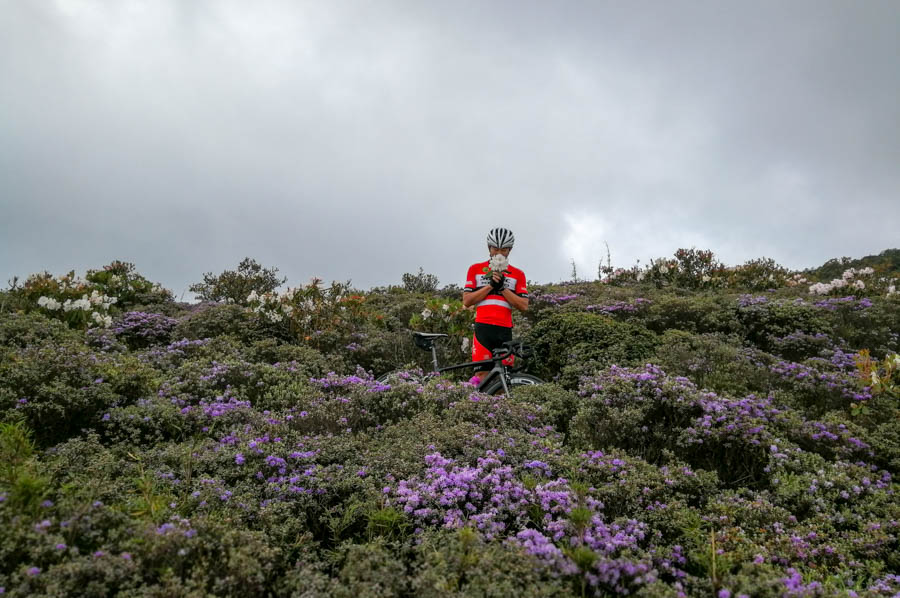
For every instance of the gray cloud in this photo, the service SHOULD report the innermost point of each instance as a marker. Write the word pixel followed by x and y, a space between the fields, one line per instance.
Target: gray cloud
pixel 359 140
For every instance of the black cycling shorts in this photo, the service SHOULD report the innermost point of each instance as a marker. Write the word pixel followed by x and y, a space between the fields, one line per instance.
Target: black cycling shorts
pixel 487 338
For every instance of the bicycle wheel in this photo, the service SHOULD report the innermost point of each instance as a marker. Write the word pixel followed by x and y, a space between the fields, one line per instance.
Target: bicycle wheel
pixel 514 380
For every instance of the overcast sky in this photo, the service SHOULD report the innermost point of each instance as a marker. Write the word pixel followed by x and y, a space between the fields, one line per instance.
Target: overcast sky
pixel 362 140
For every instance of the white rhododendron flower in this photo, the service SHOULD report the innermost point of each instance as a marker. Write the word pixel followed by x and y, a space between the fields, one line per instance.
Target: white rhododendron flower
pixel 426 313
pixel 105 321
pixel 874 378
pixel 640 275
pixel 446 307
pixel 253 296
pixel 82 304
pixel 867 270
pixel 49 303
pixel 499 263
pixel 859 284
pixel 820 288
pixel 892 289
pixel 98 299
pixel 706 278
pixel 663 269
pixel 465 344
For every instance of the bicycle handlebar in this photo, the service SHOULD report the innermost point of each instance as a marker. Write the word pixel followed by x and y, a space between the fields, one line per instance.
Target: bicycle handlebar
pixel 512 348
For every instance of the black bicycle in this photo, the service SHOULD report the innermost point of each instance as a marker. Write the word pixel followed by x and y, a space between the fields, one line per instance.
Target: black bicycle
pixel 501 378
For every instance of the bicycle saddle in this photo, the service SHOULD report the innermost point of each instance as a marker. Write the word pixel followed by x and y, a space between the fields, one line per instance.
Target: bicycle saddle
pixel 425 340
pixel 429 334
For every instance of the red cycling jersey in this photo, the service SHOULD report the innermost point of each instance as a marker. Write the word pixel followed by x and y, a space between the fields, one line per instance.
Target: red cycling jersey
pixel 495 309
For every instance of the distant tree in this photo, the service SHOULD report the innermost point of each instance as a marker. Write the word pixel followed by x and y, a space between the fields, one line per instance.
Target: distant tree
pixel 420 283
pixel 235 285
pixel 696 267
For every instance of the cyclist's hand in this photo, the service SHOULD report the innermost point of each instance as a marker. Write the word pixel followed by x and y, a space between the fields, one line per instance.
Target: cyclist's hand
pixel 498 282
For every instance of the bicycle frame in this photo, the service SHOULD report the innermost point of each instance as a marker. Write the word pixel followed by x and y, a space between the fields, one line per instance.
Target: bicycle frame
pixel 498 370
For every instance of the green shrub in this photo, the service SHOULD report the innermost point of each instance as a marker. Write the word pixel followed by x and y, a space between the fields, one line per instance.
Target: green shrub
pixel 60 389
pixel 370 570
pixel 763 322
pixel 569 339
pixel 24 330
pixel 876 328
pixel 557 404
pixel 758 275
pixel 460 563
pixel 697 314
pixel 236 285
pixel 274 351
pixel 208 320
pixel 714 361
pixel 122 280
pixel 420 282
pixel 697 268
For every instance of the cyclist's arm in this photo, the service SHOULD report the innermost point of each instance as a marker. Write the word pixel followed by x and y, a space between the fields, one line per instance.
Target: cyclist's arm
pixel 470 298
pixel 520 303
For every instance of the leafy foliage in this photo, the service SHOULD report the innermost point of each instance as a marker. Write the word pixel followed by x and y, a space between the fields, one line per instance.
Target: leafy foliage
pixel 701 437
pixel 420 282
pixel 235 285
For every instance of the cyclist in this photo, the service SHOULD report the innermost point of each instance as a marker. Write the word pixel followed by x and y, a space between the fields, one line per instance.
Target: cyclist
pixel 494 297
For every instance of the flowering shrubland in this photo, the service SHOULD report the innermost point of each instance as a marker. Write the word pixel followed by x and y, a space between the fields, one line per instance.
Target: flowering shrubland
pixel 91 301
pixel 736 436
pixel 447 316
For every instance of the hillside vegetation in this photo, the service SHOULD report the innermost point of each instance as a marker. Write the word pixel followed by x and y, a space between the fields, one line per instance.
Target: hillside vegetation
pixel 707 431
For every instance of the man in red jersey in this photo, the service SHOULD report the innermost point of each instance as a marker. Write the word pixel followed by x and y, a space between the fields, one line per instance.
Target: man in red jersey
pixel 494 294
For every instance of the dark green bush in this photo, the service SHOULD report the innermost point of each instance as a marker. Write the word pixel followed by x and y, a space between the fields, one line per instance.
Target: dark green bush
pixel 236 285
pixel 770 320
pixel 876 328
pixel 274 351
pixel 699 314
pixel 459 563
pixel 24 330
pixel 207 320
pixel 60 389
pixel 420 282
pixel 714 361
pixel 572 339
pixel 557 404
pixel 758 275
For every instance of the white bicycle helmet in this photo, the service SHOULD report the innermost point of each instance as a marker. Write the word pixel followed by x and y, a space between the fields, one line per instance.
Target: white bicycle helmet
pixel 501 238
